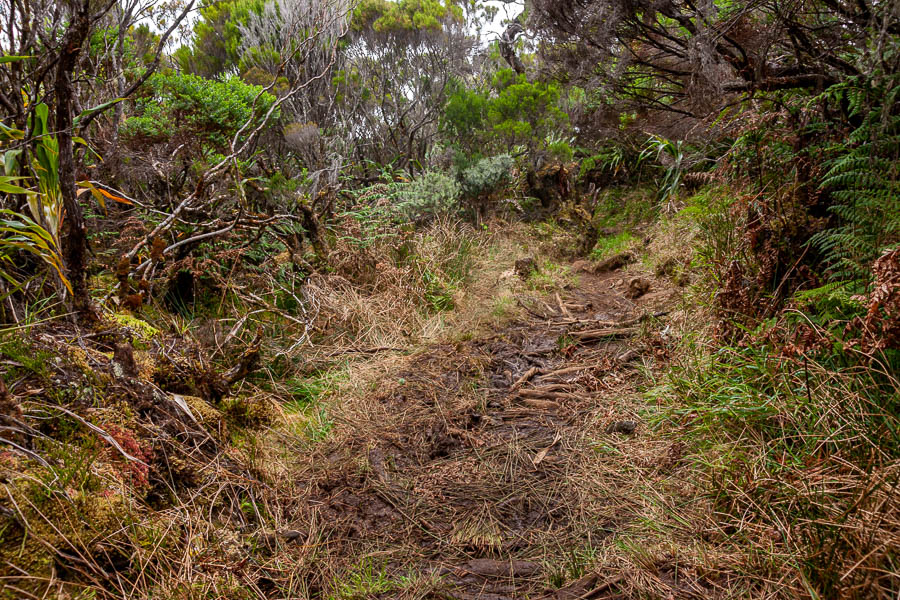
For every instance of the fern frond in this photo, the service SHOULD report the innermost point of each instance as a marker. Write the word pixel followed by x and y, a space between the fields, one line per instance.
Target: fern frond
pixel 864 182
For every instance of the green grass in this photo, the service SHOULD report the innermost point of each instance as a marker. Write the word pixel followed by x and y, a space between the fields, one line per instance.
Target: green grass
pixel 304 397
pixel 623 208
pixel 366 580
pixel 307 392
pixel 460 259
pixel 319 426
pixel 503 306
pixel 550 276
pixel 24 357
pixel 720 229
pixel 609 246
pixel 578 563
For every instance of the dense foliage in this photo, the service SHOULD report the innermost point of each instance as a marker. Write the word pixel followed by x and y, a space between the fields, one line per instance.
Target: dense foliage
pixel 179 108
pixel 265 162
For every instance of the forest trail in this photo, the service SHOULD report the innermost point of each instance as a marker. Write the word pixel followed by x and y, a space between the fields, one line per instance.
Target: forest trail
pixel 501 465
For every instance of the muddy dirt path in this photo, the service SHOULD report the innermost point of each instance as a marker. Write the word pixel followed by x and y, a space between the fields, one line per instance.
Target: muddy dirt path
pixel 476 469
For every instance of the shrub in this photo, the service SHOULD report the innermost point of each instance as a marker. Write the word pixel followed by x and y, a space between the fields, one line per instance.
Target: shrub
pixel 428 196
pixel 610 159
pixel 560 150
pixel 418 201
pixel 154 124
pixel 300 136
pixel 486 176
pixel 512 112
pixel 207 110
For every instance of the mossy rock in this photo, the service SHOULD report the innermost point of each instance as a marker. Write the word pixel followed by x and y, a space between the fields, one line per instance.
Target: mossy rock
pixel 143 331
pixel 207 415
pixel 251 411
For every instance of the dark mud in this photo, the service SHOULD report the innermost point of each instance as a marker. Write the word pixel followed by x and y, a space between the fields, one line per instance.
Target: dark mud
pixel 462 476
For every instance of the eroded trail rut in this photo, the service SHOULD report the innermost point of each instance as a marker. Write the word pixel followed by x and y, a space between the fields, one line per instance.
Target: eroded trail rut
pixel 468 471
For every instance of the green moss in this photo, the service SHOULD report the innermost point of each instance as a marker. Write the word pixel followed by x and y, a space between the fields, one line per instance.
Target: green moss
pixel 143 330
pixel 251 411
pixel 57 512
pixel 25 358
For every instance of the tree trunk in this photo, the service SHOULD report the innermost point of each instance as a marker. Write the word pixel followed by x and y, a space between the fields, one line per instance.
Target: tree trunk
pixel 508 40
pixel 75 239
pixel 118 59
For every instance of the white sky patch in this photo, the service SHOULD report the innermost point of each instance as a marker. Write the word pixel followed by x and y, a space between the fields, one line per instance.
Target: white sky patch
pixel 507 11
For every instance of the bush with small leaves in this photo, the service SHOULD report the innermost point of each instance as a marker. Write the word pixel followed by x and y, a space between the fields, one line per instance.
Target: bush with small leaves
pixel 486 176
pixel 188 106
pixel 426 197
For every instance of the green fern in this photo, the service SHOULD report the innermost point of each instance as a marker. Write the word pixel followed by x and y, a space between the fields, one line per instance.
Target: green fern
pixel 834 301
pixel 864 181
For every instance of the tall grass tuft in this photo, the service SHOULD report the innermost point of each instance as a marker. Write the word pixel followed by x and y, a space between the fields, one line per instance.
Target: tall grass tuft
pixel 800 454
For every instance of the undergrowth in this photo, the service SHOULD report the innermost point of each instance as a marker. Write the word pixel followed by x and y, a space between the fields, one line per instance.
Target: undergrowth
pixel 792 426
pixel 796 455
pixel 608 246
pixel 114 467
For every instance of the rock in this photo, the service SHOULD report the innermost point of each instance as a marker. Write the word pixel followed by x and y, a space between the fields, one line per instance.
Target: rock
pixel 614 263
pixel 123 355
pixel 637 287
pixel 525 267
pixel 626 427
pixel 582 266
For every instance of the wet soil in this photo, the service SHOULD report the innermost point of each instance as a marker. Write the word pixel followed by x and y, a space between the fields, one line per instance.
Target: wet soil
pixel 467 471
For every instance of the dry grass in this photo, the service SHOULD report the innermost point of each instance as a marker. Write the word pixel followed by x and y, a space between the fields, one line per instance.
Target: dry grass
pixel 468 453
pixel 438 465
pixel 225 483
pixel 405 304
